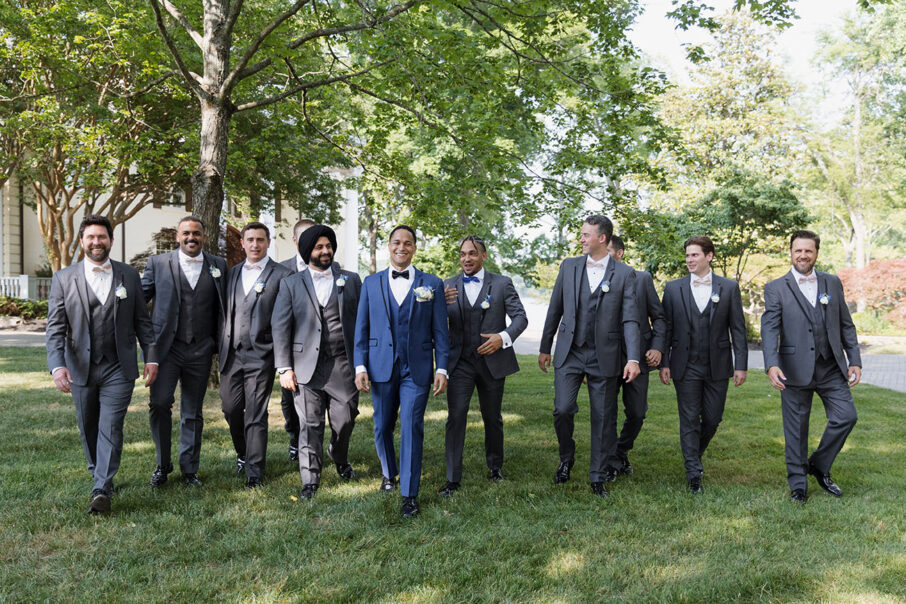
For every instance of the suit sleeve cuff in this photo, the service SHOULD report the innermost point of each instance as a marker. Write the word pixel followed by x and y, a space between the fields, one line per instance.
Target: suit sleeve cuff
pixel 442 372
pixel 360 369
pixel 283 369
pixel 507 340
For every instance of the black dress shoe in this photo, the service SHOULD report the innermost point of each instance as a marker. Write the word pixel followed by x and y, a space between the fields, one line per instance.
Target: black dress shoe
pixel 410 507
pixel 495 475
pixel 825 482
pixel 100 503
pixel 626 468
pixel 798 496
pixel 293 453
pixel 159 477
pixel 562 473
pixel 598 489
pixel 308 491
pixel 345 471
pixel 448 489
pixel 610 475
pixel 240 464
pixel 387 484
pixel 695 485
pixel 191 479
pixel 253 483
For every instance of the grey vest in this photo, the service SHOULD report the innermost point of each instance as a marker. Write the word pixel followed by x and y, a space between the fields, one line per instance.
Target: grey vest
pixel 198 308
pixel 471 321
pixel 585 316
pixel 103 338
pixel 819 329
pixel 242 317
pixel 699 344
pixel 332 341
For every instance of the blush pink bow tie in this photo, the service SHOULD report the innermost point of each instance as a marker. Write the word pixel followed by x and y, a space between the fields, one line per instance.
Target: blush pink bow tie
pixel 595 264
pixel 811 279
pixel 696 281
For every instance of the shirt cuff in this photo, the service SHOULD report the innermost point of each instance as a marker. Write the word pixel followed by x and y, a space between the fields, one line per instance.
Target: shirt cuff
pixel 282 369
pixel 507 340
pixel 55 369
pixel 360 369
pixel 152 363
pixel 442 372
pixel 632 361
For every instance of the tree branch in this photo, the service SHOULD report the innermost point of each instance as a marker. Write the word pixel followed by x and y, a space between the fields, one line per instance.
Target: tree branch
pixel 181 19
pixel 191 79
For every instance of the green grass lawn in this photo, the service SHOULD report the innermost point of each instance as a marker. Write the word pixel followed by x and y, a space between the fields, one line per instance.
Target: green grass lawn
pixel 524 539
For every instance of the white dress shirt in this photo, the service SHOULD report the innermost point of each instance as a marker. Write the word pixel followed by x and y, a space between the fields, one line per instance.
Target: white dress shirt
pixel 808 285
pixel 323 281
pixel 191 267
pixel 594 270
pixel 471 290
pixel 301 265
pixel 99 277
pixel 400 287
pixel 701 293
pixel 251 273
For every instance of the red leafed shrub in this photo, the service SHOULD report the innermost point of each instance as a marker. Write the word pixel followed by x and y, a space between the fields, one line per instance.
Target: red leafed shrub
pixel 882 284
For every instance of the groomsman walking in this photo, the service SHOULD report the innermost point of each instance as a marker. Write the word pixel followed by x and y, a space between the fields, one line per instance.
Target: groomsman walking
pixel 401 348
pixel 96 311
pixel 187 289
pixel 296 264
pixel 593 314
pixel 247 350
pixel 652 332
pixel 704 319
pixel 810 346
pixel 314 326
pixel 481 355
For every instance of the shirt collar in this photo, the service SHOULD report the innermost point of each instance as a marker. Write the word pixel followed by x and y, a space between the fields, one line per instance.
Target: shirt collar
pixel 89 265
pixel 479 275
pixel 184 258
pixel 605 260
pixel 262 263
pixel 709 276
pixel 796 274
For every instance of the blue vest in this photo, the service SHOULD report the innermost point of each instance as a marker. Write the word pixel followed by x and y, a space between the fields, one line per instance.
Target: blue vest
pixel 399 324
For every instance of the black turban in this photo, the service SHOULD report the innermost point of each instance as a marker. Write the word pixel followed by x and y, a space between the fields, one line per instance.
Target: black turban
pixel 309 238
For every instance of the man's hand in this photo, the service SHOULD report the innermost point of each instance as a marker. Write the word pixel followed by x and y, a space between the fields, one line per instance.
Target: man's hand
pixel 150 374
pixel 665 375
pixel 361 382
pixel 451 294
pixel 777 378
pixel 288 380
pixel 653 357
pixel 62 379
pixel 855 375
pixel 440 383
pixel 544 361
pixel 739 377
pixel 631 371
pixel 492 345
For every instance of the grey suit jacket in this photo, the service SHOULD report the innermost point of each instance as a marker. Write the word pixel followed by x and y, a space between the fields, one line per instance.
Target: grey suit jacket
pixel 652 326
pixel 260 324
pixel 160 283
pixel 727 321
pixel 290 263
pixel 296 321
pixel 787 332
pixel 503 302
pixel 616 316
pixel 68 334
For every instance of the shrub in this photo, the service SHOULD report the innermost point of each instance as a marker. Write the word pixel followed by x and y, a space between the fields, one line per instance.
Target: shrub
pixel 27 309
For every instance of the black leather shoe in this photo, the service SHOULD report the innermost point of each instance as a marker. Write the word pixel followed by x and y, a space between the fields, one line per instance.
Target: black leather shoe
pixel 293 453
pixel 562 473
pixel 495 475
pixel 625 469
pixel 253 483
pixel 191 480
pixel 798 496
pixel 100 503
pixel 345 471
pixel 308 491
pixel 410 507
pixel 695 485
pixel 387 484
pixel 598 489
pixel 610 475
pixel 159 477
pixel 825 482
pixel 448 489
pixel 240 465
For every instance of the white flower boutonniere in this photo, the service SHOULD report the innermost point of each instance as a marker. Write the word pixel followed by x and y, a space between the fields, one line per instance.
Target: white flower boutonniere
pixel 121 292
pixel 341 280
pixel 423 294
pixel 215 272
pixel 605 286
pixel 259 287
pixel 715 298
pixel 824 299
pixel 486 304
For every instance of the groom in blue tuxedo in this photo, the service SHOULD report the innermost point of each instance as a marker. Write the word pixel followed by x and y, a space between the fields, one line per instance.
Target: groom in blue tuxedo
pixel 402 318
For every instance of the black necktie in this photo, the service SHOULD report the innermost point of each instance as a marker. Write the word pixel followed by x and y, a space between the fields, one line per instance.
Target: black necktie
pixel 403 274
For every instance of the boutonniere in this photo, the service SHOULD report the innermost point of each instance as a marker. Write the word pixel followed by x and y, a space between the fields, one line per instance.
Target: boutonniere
pixel 486 304
pixel 824 299
pixel 122 294
pixel 215 272
pixel 341 280
pixel 715 298
pixel 259 286
pixel 605 286
pixel 423 294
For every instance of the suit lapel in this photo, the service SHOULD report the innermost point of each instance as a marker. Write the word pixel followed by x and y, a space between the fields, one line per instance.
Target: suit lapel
pixel 308 284
pixel 174 272
pixel 82 288
pixel 686 297
pixel 822 289
pixel 386 294
pixel 234 287
pixel 577 279
pixel 416 283
pixel 116 276
pixel 461 297
pixel 336 275
pixel 715 289
pixel 265 275
pixel 797 294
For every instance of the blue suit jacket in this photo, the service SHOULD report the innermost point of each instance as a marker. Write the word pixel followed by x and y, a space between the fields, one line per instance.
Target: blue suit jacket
pixel 374 345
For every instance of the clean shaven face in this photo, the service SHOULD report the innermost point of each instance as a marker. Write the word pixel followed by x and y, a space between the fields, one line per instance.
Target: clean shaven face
pixel 190 236
pixel 402 249
pixel 96 243
pixel 593 243
pixel 322 255
pixel 697 261
pixel 255 243
pixel 804 254
pixel 471 258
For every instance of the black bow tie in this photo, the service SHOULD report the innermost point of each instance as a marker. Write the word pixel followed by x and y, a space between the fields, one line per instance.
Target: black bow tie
pixel 403 274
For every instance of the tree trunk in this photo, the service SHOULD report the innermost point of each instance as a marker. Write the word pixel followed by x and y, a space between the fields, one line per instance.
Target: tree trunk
pixel 207 181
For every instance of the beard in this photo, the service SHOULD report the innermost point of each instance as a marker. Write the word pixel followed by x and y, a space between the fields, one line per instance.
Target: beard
pixel 322 262
pixel 97 253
